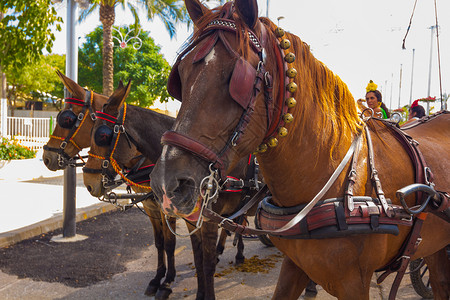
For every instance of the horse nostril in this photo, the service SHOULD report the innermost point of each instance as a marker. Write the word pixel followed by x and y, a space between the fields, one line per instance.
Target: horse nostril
pixel 185 189
pixel 89 188
pixel 47 161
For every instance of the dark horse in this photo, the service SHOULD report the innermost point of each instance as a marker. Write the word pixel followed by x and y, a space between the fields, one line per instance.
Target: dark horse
pixel 248 86
pixel 140 132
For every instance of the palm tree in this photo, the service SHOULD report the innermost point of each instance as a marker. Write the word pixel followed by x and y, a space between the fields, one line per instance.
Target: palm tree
pixel 170 12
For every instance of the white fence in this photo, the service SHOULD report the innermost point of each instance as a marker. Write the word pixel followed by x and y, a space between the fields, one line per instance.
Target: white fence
pixel 31 132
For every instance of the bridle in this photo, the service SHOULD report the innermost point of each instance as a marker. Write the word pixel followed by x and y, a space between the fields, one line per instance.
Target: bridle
pixel 105 136
pixel 245 85
pixel 69 120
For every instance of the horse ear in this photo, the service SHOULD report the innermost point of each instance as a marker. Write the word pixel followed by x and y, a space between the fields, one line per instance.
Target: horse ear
pixel 74 88
pixel 118 97
pixel 195 9
pixel 248 11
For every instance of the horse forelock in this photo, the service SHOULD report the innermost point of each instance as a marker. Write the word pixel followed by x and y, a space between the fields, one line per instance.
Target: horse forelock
pixel 325 105
pixel 241 29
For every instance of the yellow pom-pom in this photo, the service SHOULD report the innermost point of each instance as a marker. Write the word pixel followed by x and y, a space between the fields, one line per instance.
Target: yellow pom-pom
pixel 371 87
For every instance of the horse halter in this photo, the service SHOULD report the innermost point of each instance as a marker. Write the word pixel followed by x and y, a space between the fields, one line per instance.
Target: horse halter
pixel 106 136
pixel 245 85
pixel 67 119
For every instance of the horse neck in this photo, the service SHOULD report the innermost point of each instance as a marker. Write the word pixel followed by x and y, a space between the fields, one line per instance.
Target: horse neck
pixel 146 128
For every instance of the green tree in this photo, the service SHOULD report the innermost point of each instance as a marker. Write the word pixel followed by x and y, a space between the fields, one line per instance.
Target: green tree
pixel 35 77
pixel 169 11
pixel 25 31
pixel 146 67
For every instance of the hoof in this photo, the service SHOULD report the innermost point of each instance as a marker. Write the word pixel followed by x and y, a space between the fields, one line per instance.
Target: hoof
pixel 311 290
pixel 151 289
pixel 163 293
pixel 219 250
pixel 239 261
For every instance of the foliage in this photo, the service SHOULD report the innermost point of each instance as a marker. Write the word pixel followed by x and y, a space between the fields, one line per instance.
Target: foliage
pixel 11 149
pixel 169 11
pixel 145 67
pixel 37 76
pixel 25 31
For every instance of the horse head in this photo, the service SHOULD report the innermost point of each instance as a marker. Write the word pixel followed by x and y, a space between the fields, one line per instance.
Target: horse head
pixel 74 124
pixel 111 149
pixel 220 80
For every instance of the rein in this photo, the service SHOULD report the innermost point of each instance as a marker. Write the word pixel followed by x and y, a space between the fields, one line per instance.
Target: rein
pixel 228 224
pixel 67 119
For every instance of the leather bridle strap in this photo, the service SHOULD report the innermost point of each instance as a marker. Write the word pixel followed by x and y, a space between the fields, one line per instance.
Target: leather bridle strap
pixel 229 225
pixel 186 143
pixel 87 104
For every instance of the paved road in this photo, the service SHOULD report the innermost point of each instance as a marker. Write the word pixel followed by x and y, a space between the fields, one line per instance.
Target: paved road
pixel 130 284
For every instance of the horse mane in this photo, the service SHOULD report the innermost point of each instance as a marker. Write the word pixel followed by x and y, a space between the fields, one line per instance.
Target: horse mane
pixel 324 101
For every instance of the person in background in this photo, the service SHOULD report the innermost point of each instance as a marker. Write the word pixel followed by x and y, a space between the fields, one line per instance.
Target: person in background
pixel 374 100
pixel 416 111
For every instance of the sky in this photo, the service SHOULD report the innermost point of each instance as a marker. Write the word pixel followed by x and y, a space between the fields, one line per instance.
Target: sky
pixel 359 40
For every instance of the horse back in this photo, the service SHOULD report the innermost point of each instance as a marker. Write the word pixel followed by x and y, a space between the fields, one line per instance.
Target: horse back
pixel 433 137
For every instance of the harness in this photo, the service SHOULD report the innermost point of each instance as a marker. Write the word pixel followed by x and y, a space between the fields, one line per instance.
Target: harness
pixel 347 215
pixel 246 83
pixel 69 120
pixel 138 175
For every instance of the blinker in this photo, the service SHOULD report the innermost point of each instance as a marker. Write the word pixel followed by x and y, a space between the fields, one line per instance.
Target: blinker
pixel 103 136
pixel 66 119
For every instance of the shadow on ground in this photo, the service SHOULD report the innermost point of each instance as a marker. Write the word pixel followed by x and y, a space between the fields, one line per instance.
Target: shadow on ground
pixel 113 240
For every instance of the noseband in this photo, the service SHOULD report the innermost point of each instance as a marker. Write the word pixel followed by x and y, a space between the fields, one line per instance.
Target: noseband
pixel 68 120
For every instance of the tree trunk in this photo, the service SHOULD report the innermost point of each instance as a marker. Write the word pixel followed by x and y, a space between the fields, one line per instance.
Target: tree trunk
pixel 107 16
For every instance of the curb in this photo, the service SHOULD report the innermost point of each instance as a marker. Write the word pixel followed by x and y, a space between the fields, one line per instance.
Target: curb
pixel 14 236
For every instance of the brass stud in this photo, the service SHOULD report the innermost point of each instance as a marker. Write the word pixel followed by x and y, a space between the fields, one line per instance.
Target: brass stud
pixel 291 102
pixel 262 148
pixel 285 44
pixel 273 142
pixel 291 72
pixel 279 32
pixel 289 58
pixel 292 87
pixel 288 118
pixel 282 131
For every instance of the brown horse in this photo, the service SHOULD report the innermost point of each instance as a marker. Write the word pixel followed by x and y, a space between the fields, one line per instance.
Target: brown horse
pixel 140 135
pixel 248 86
pixel 71 136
